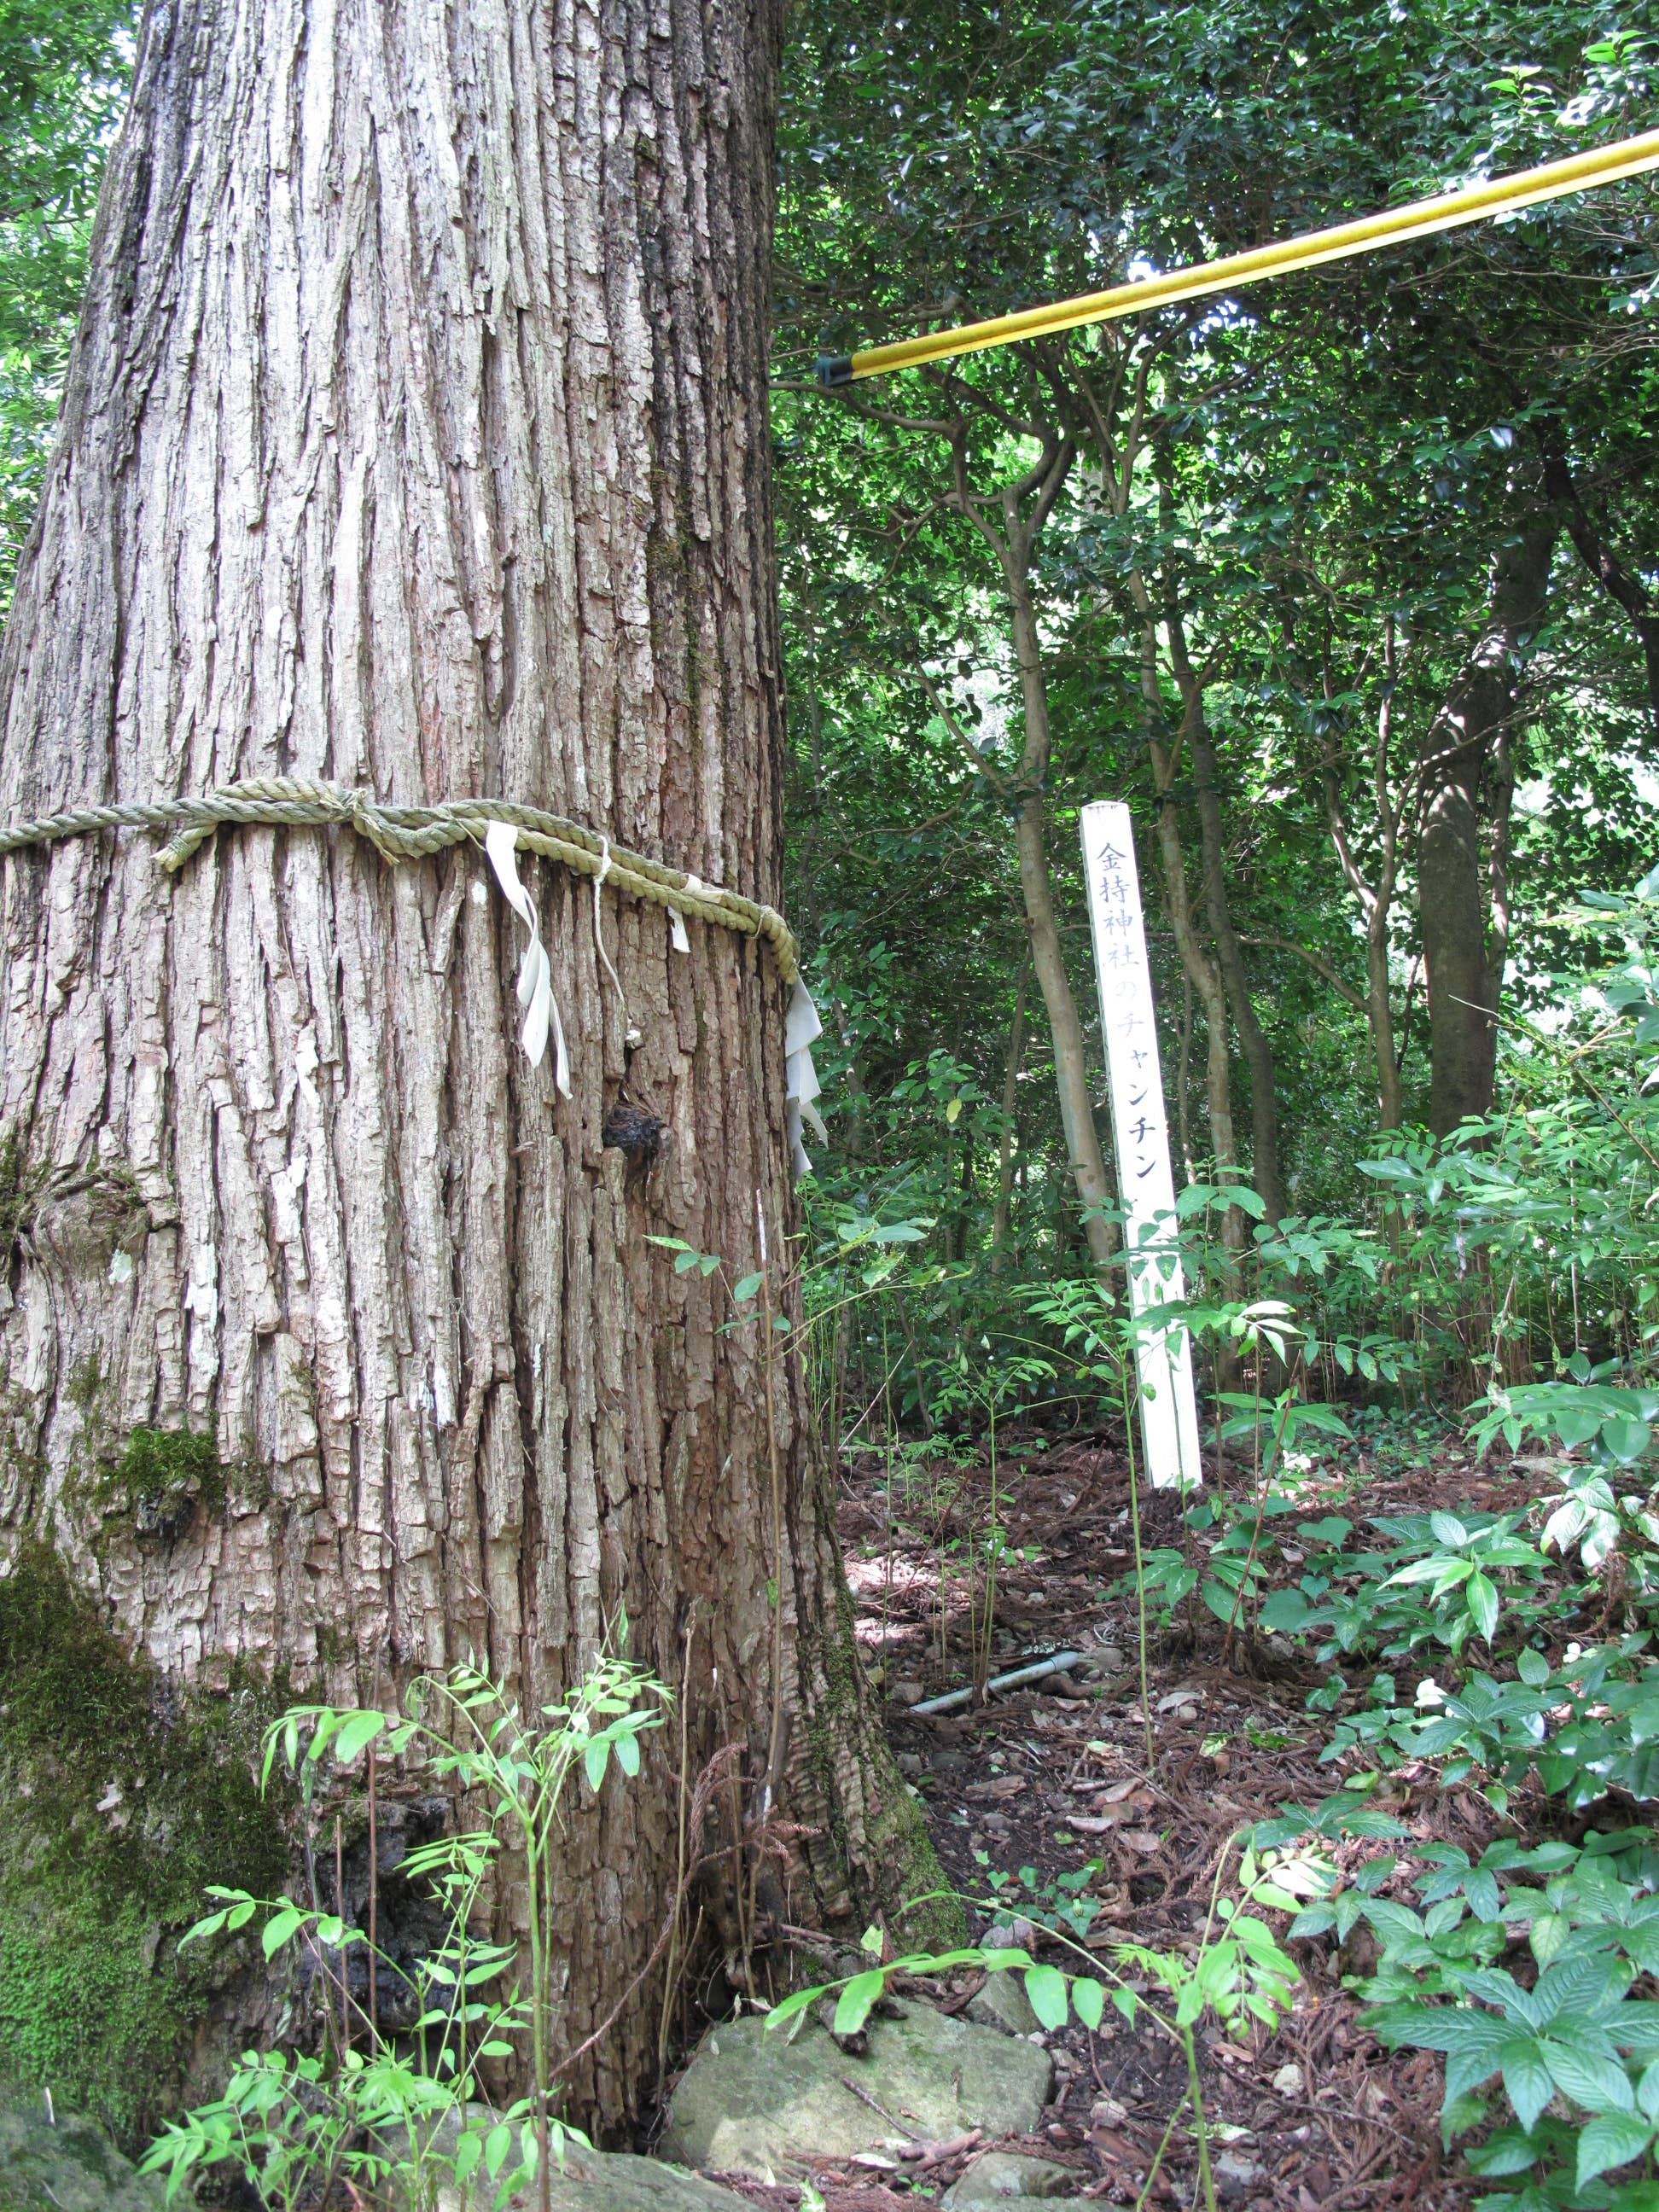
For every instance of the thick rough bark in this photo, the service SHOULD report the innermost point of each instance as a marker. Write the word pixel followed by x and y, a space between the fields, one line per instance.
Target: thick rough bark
pixel 416 438
pixel 1465 787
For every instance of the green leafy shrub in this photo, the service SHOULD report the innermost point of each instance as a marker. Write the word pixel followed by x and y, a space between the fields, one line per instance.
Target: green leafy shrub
pixel 1446 1577
pixel 365 2106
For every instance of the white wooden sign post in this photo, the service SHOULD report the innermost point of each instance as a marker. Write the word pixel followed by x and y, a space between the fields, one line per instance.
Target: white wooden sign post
pixel 1168 1411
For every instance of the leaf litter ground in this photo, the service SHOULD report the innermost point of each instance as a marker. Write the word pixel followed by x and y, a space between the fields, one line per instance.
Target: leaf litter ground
pixel 1035 1785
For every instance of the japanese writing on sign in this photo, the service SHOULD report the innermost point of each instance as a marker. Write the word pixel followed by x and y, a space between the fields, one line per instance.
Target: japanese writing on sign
pixel 1168 1411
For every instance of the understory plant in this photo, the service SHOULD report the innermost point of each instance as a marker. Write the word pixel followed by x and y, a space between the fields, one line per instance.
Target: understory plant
pixel 1238 1970
pixel 374 2102
pixel 1574 2054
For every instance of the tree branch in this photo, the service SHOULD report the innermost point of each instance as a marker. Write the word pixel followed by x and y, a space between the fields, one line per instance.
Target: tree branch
pixel 1321 966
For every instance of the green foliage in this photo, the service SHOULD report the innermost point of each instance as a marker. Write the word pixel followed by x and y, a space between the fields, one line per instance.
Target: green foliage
pixel 1574 2031
pixel 89 2006
pixel 367 2107
pixel 1061 1903
pixel 161 1477
pixel 1446 1577
pixel 63 83
pixel 1307 484
pixel 293 2125
pixel 1237 1971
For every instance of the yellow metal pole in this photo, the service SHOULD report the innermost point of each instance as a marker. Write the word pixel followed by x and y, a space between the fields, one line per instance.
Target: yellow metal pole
pixel 1630 157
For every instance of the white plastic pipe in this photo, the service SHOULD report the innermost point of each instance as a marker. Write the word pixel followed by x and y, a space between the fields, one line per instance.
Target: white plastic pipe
pixel 1035 1673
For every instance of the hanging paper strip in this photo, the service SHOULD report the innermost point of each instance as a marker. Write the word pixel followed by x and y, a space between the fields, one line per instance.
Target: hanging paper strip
pixel 801 1084
pixel 541 1008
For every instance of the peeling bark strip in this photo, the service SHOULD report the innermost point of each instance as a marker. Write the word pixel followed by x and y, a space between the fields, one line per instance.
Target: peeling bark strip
pixel 415 438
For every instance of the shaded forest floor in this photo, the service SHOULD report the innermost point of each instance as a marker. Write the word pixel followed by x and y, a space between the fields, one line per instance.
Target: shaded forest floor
pixel 1037 1785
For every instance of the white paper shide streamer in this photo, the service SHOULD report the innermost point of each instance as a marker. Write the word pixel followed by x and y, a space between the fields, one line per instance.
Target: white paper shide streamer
pixel 541 1008
pixel 677 935
pixel 801 1083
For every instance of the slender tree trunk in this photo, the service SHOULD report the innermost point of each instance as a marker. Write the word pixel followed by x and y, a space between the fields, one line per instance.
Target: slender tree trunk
pixel 1230 958
pixel 1379 1008
pixel 1461 776
pixel 1077 1114
pixel 1008 1146
pixel 1011 538
pixel 1376 897
pixel 416 437
pixel 1230 953
pixel 1199 968
pixel 1183 1079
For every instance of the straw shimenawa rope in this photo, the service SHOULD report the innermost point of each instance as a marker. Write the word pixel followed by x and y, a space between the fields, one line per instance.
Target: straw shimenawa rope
pixel 407 833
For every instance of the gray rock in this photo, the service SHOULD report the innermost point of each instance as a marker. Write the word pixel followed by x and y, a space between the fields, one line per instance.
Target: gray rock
pixel 617 2181
pixel 591 2181
pixel 1003 2003
pixel 71 2166
pixel 1235 2176
pixel 753 2103
pixel 997 2174
pixel 1011 1935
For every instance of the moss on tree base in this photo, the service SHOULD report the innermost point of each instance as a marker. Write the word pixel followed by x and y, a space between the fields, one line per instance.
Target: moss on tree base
pixel 128 1798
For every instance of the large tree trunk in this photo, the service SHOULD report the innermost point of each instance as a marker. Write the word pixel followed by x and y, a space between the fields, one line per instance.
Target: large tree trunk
pixel 416 438
pixel 1464 795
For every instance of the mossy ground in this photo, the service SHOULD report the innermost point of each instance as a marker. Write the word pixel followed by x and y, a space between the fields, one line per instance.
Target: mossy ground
pixel 127 1801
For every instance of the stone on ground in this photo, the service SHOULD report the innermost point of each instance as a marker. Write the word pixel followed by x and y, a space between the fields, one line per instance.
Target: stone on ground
pixel 758 2104
pixel 71 2164
pixel 998 2173
pixel 617 2181
pixel 1003 2003
pixel 590 2181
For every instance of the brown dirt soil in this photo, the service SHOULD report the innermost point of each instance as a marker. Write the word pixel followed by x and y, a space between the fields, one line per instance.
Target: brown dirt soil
pixel 1048 1779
